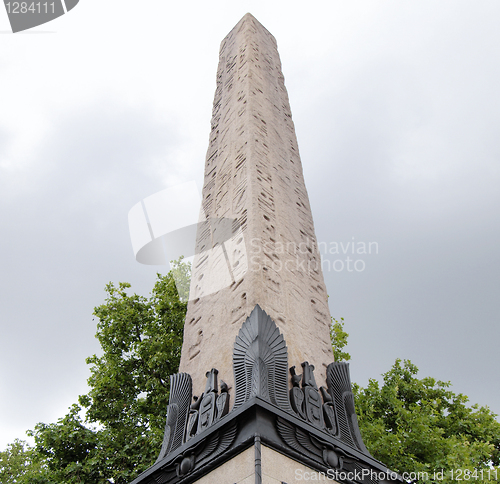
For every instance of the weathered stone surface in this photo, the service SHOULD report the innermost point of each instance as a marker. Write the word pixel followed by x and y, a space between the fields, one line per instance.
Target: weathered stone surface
pixel 237 470
pixel 276 468
pixel 253 175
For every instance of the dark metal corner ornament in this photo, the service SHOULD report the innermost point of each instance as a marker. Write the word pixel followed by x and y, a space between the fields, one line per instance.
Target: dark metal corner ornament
pixel 177 413
pixel 311 446
pixel 310 403
pixel 212 446
pixel 313 425
pixel 209 407
pixel 339 387
pixel 260 362
pixel 186 419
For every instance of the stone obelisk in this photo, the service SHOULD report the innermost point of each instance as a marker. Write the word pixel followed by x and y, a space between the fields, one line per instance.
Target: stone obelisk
pixel 258 399
pixel 253 176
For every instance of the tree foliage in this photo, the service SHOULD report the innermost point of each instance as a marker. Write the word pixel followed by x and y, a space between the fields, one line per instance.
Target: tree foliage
pixel 65 451
pixel 141 341
pixel 16 462
pixel 419 425
pixel 338 338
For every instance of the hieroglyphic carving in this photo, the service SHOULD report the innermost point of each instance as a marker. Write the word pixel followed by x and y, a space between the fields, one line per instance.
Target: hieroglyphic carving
pixel 296 394
pixel 222 401
pixel 192 423
pixel 307 402
pixel 329 411
pixel 207 406
pixel 312 399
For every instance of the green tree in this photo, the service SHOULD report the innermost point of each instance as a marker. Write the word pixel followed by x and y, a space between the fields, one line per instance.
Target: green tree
pixel 141 341
pixel 338 338
pixel 16 463
pixel 420 426
pixel 66 451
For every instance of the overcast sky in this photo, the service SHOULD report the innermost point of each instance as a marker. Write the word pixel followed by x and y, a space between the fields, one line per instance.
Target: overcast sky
pixel 397 112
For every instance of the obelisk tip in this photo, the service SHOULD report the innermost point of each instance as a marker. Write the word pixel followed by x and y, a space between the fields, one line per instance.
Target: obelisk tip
pixel 248 16
pixel 248 23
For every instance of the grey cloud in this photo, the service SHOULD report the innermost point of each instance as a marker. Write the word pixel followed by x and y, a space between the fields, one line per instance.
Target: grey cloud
pixel 62 241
